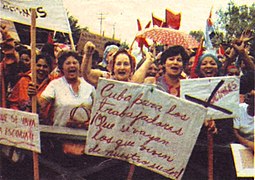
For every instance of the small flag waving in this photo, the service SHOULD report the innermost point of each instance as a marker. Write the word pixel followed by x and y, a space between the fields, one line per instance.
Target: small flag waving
pixel 221 50
pixel 139 25
pixel 209 32
pixel 157 22
pixel 142 41
pixel 173 20
pixel 50 38
pixel 198 54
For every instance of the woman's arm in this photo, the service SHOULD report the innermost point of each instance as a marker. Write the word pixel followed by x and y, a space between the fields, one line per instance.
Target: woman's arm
pixel 244 141
pixel 90 75
pixel 230 55
pixel 244 56
pixel 140 74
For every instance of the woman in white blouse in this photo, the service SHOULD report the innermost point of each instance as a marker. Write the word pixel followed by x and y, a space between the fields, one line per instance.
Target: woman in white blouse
pixel 69 91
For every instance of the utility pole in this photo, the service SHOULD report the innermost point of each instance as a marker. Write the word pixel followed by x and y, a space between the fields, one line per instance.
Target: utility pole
pixel 101 18
pixel 113 28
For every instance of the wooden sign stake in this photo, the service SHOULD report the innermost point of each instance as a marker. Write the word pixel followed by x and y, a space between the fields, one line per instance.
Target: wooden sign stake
pixel 33 70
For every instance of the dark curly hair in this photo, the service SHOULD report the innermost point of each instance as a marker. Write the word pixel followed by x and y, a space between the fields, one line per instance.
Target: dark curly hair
pixel 46 57
pixel 174 51
pixel 64 55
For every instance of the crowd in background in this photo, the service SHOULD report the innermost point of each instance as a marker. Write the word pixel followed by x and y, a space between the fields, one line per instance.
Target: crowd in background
pixel 66 82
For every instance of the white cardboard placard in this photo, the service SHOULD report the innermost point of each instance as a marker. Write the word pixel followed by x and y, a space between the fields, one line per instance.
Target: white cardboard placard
pixel 226 97
pixel 20 129
pixel 144 126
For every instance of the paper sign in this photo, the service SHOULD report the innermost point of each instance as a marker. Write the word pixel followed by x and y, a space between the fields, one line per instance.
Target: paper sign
pixel 224 103
pixel 144 126
pixel 50 14
pixel 19 129
pixel 244 160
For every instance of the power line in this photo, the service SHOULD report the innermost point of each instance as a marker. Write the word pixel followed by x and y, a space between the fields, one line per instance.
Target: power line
pixel 101 18
pixel 113 34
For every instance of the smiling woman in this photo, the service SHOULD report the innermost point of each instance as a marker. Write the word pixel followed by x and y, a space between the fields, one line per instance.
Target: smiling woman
pixel 19 96
pixel 69 91
pixel 123 65
pixel 174 60
pixel 208 66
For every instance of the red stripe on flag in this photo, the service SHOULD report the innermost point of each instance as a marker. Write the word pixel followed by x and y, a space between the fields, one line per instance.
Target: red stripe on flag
pixel 173 20
pixel 139 25
pixel 158 22
pixel 198 54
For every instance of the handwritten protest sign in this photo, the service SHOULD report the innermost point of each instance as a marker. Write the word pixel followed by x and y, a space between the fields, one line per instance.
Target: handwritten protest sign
pixel 50 14
pixel 225 101
pixel 143 126
pixel 19 129
pixel 243 160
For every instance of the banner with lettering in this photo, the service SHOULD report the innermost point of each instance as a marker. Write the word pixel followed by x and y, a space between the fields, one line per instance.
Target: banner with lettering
pixel 219 94
pixel 20 129
pixel 50 14
pixel 144 126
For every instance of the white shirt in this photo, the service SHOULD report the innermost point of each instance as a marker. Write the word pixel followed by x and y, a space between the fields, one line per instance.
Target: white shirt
pixel 64 98
pixel 244 123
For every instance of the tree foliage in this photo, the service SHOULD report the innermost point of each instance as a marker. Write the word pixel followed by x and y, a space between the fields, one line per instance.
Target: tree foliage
pixel 230 24
pixel 234 20
pixel 75 28
pixel 197 34
pixel 124 45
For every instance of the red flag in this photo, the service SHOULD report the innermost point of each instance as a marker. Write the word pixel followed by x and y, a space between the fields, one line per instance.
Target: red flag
pixel 142 41
pixel 209 32
pixel 158 22
pixel 50 38
pixel 173 20
pixel 148 25
pixel 198 54
pixel 139 25
pixel 209 20
pixel 221 50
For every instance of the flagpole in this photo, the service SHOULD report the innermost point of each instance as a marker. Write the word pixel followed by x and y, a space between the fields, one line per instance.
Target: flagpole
pixel 198 54
pixel 71 41
pixel 210 155
pixel 33 70
pixel 131 46
pixel 131 172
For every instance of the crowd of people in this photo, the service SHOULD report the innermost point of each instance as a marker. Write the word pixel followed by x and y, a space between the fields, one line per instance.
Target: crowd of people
pixel 67 80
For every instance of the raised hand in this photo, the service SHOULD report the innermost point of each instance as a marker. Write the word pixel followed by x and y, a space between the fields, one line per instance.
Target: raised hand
pixel 7 42
pixel 149 57
pixel 211 126
pixel 89 48
pixel 246 35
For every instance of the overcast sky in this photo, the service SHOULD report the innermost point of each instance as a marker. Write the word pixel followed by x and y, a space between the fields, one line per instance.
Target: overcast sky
pixel 120 16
